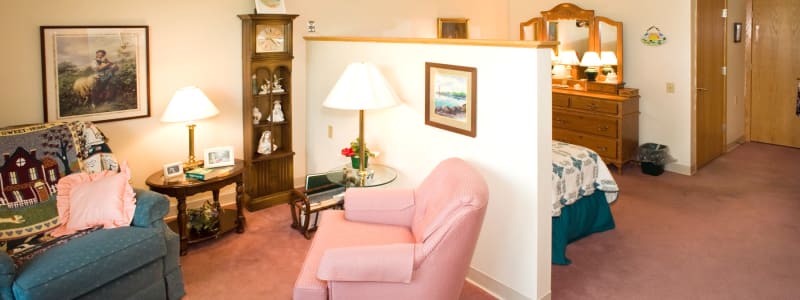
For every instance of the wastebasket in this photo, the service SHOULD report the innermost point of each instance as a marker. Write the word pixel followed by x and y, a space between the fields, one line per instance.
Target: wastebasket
pixel 653 157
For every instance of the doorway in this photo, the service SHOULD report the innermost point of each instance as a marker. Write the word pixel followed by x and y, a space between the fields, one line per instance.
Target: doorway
pixel 775 73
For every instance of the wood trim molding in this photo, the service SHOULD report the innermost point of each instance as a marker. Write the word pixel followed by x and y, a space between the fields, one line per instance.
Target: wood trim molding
pixel 465 42
pixel 748 68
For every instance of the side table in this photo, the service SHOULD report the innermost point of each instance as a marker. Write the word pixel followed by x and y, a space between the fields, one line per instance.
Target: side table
pixel 377 175
pixel 228 218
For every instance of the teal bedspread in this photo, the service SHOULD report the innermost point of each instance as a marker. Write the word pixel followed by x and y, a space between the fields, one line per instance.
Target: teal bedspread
pixel 589 215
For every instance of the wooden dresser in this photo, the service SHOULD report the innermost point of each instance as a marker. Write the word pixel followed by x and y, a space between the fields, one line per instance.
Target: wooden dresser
pixel 605 123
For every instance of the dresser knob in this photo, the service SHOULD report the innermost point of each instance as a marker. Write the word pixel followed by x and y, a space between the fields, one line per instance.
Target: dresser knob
pixel 603 148
pixel 592 106
pixel 602 128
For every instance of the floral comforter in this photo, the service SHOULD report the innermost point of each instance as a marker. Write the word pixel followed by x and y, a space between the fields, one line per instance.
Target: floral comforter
pixel 578 172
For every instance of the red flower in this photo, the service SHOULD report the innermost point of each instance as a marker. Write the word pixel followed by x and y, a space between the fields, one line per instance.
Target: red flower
pixel 348 152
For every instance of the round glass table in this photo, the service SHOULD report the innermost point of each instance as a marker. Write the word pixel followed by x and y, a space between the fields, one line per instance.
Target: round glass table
pixel 376 175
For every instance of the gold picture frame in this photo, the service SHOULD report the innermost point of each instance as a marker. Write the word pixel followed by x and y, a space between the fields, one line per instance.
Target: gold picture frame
pixel 95 73
pixel 451 98
pixel 452 28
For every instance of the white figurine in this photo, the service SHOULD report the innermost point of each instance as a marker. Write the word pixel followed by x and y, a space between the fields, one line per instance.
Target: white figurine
pixel 276 85
pixel 265 87
pixel 256 115
pixel 277 113
pixel 265 144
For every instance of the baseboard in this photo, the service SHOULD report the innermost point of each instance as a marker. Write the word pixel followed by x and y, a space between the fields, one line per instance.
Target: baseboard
pixel 735 144
pixel 493 287
pixel 679 168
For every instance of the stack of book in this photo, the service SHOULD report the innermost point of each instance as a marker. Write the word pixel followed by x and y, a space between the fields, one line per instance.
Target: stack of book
pixel 207 173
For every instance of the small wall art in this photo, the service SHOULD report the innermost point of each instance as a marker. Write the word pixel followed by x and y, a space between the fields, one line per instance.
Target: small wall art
pixel 653 37
pixel 452 28
pixel 95 73
pixel 451 97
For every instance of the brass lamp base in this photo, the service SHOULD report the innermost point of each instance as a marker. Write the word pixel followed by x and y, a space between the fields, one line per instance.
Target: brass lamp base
pixel 191 163
pixel 188 165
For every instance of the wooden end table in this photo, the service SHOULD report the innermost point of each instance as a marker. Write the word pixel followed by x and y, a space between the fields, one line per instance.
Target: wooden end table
pixel 228 218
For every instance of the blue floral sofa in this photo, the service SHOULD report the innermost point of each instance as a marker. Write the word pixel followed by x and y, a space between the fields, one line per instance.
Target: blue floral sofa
pixel 140 261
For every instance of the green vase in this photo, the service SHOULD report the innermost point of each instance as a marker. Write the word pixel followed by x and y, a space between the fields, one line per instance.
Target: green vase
pixel 356 162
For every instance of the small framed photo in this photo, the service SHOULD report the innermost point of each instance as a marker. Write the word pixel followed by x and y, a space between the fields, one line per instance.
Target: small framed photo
pixel 451 98
pixel 173 170
pixel 453 28
pixel 218 157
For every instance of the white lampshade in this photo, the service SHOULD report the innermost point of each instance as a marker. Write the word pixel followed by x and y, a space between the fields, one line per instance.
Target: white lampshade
pixel 608 58
pixel 568 57
pixel 361 86
pixel 189 104
pixel 559 71
pixel 590 59
pixel 553 56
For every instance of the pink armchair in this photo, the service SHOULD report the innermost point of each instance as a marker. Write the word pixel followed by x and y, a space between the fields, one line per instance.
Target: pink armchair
pixel 398 243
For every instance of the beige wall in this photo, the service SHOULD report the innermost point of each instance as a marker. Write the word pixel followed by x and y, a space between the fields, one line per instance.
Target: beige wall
pixel 191 43
pixel 736 75
pixel 511 149
pixel 665 118
pixel 199 43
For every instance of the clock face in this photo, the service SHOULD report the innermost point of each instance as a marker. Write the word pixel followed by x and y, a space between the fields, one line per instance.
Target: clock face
pixel 270 38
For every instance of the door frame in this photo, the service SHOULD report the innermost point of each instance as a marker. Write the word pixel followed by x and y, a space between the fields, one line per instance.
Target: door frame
pixel 748 67
pixel 695 127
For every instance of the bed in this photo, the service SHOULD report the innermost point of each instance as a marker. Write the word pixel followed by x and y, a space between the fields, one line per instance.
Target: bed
pixel 582 191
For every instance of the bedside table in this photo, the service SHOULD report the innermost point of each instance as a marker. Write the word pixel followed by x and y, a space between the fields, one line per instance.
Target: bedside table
pixel 228 219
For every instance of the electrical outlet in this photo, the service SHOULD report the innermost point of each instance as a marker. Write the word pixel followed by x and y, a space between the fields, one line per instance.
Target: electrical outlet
pixel 670 87
pixel 330 131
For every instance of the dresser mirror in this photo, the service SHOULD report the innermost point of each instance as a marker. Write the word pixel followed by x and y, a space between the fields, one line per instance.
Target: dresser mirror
pixel 579 30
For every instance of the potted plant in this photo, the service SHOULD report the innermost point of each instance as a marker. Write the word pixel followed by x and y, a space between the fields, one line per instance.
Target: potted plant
pixel 203 221
pixel 353 151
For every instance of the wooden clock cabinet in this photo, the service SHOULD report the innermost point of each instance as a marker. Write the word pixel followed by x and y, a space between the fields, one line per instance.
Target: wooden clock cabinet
pixel 267 109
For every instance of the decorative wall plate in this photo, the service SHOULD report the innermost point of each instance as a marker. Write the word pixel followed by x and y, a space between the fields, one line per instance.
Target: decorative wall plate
pixel 270 7
pixel 653 37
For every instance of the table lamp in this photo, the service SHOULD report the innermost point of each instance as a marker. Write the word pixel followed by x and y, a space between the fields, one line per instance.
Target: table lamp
pixel 591 60
pixel 569 58
pixel 189 104
pixel 361 87
pixel 608 59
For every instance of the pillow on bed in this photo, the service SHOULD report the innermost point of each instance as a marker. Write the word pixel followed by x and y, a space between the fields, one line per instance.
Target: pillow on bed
pixel 87 200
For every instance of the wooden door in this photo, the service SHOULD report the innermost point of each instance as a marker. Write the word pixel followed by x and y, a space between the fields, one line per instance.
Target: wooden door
pixel 774 107
pixel 710 81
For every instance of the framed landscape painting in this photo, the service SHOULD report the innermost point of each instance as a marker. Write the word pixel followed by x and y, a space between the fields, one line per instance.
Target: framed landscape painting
pixel 95 73
pixel 451 97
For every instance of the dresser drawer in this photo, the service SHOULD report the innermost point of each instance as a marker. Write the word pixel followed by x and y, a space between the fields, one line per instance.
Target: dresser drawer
pixel 607 148
pixel 560 100
pixel 585 124
pixel 595 105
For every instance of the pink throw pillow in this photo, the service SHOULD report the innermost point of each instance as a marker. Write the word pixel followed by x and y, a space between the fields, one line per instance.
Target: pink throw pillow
pixel 85 200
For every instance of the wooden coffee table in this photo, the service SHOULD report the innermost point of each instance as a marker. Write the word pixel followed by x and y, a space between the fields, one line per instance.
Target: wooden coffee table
pixel 228 218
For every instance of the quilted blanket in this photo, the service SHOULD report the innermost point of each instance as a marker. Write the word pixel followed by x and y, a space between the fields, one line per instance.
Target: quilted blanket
pixel 577 172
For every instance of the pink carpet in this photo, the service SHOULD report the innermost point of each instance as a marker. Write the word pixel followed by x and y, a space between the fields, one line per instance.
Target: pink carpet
pixel 261 263
pixel 731 231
